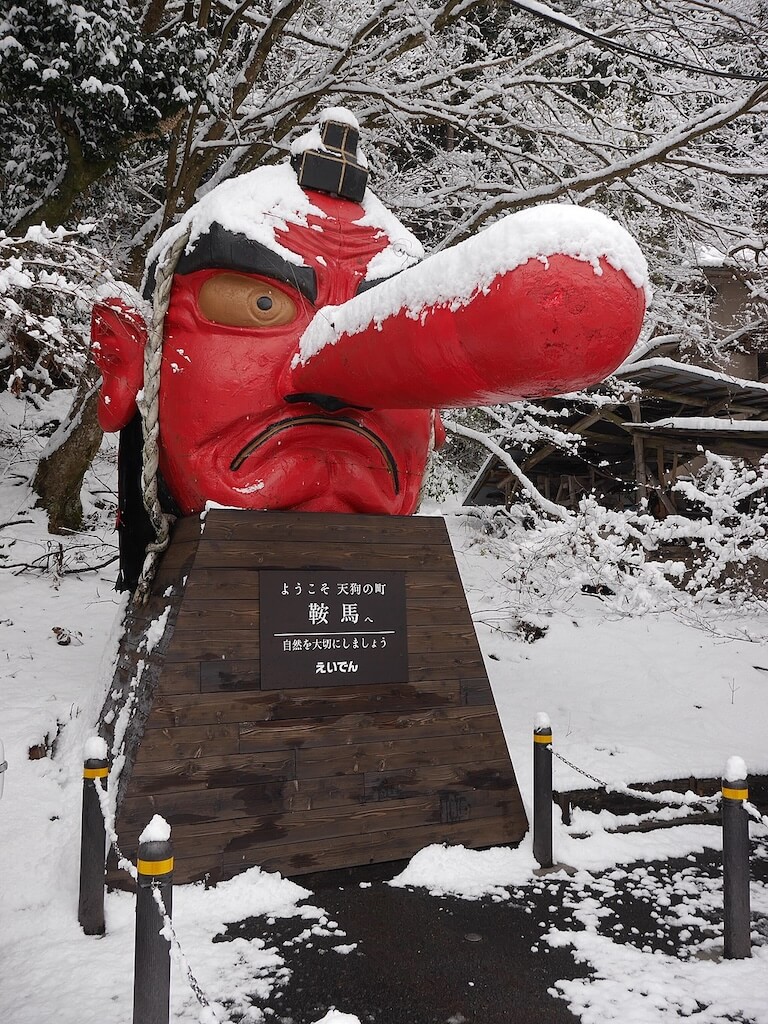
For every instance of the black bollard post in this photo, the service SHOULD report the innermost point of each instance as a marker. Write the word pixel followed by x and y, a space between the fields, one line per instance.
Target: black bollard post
pixel 152 961
pixel 90 907
pixel 542 791
pixel 736 925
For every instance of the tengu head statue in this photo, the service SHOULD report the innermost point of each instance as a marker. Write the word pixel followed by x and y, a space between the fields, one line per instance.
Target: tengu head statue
pixel 223 397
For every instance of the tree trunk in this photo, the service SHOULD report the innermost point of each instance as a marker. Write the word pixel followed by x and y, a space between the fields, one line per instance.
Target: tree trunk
pixel 67 457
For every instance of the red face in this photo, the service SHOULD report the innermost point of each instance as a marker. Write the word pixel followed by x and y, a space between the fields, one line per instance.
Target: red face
pixel 230 429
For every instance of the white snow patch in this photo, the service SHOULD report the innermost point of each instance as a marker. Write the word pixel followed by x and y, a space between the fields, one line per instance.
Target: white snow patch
pixel 256 205
pixel 735 769
pixel 452 277
pixel 155 630
pixel 95 749
pixel 341 115
pixel 157 831
pixel 472 874
pixel 337 1017
pixel 265 201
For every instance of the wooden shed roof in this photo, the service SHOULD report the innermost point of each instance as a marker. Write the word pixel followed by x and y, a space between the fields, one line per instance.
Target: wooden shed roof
pixel 699 385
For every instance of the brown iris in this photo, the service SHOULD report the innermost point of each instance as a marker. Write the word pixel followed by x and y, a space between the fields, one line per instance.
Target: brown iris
pixel 239 301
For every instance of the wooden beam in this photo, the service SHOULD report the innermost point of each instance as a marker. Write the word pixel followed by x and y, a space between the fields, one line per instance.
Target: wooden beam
pixel 578 428
pixel 641 480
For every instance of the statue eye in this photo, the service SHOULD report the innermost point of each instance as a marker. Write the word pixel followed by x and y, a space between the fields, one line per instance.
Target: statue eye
pixel 235 300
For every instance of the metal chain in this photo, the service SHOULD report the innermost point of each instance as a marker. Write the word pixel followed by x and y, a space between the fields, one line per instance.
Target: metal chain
pixel 593 778
pixel 639 794
pixel 194 984
pixel 127 865
pixel 754 813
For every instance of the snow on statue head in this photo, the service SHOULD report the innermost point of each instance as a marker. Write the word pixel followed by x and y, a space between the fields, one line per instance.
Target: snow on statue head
pixel 300 343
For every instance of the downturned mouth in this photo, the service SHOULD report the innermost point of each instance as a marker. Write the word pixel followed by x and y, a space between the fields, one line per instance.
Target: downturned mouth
pixel 340 422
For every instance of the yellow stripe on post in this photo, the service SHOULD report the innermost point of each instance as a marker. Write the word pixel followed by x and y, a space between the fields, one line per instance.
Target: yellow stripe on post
pixel 155 867
pixel 542 737
pixel 95 773
pixel 735 794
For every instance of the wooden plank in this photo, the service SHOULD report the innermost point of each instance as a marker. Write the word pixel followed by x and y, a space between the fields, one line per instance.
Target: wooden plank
pixel 226 676
pixel 448 637
pixel 225 645
pixel 426 611
pixel 187 529
pixel 197 806
pixel 241 802
pixel 188 742
pixel 297 859
pixel 434 583
pixel 182 678
pixel 213 614
pixel 490 775
pixel 186 708
pixel 359 730
pixel 243 645
pixel 230 676
pixel 241 584
pixel 232 584
pixel 395 755
pixel 259 833
pixel 387 845
pixel 177 775
pixel 444 665
pixel 276 555
pixel 321 528
pixel 169 578
pixel 476 691
pixel 177 557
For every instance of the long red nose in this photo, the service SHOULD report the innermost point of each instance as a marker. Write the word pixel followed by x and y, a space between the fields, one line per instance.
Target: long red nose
pixel 547 326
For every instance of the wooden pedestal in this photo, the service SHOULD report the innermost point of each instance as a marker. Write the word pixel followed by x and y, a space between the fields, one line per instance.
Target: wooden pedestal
pixel 305 778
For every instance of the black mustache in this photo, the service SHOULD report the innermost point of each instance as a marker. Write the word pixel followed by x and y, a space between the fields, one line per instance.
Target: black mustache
pixel 322 421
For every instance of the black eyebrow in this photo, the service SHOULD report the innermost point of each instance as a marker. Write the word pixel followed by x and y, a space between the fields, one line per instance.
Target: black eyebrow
pixel 365 286
pixel 226 250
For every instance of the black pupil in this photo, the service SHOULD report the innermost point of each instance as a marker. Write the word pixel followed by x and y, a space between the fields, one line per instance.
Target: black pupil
pixel 264 302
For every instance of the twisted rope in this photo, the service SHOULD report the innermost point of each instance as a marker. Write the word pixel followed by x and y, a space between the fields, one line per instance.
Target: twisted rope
pixel 149 409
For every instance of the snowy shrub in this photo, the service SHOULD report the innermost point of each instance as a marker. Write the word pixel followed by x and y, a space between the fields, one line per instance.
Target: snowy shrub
pixel 48 283
pixel 634 560
pixel 91 81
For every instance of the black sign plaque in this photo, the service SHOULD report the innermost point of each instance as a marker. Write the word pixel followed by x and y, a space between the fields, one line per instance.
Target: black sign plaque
pixel 332 628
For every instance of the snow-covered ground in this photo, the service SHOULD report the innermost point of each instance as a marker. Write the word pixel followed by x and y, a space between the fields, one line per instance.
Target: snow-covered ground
pixel 632 698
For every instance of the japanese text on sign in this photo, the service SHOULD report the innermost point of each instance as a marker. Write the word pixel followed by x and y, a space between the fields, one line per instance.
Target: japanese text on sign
pixel 333 627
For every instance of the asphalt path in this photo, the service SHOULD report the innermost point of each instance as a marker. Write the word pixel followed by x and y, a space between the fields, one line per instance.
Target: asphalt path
pixel 423 959
pixel 419 959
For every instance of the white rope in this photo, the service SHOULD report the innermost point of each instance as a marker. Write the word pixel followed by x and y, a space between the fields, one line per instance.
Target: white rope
pixel 149 408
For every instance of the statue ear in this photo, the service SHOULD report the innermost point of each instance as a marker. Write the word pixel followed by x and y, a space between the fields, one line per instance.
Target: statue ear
pixel 118 337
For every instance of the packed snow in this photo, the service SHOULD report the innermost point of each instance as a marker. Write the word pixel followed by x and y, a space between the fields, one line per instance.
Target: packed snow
pixel 157 831
pixel 634 693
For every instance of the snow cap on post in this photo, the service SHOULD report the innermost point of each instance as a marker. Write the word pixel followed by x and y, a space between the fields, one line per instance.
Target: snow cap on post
pixel 327 159
pixel 157 831
pixel 735 785
pixel 95 748
pixel 155 860
pixel 542 728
